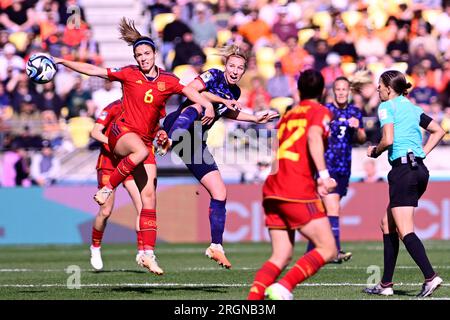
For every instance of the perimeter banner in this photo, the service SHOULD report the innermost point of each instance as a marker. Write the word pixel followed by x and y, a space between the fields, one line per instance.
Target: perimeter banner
pixel 58 215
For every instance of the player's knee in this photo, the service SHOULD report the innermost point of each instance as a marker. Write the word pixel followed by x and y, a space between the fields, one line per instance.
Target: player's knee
pixel 105 212
pixel 148 197
pixel 384 224
pixel 282 260
pixel 142 154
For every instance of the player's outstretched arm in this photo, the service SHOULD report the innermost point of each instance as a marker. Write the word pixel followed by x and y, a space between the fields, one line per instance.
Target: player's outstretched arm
pixel 247 117
pixel 230 104
pixel 84 68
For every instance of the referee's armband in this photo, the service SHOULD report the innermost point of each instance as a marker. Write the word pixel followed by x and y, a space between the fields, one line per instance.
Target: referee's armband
pixel 425 120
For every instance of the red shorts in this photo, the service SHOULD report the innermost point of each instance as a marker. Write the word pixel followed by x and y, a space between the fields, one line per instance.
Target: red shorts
pixel 291 215
pixel 118 130
pixel 103 177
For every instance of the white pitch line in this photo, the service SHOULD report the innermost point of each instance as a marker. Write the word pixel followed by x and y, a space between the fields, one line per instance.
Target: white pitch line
pixel 165 285
pixel 328 267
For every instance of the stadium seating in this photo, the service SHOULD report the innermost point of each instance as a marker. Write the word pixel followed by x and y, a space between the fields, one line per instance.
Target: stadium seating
pixel 161 20
pixel 79 129
pixel 281 104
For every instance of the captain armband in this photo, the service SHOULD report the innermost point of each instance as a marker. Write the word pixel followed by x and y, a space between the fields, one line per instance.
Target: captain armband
pixel 425 121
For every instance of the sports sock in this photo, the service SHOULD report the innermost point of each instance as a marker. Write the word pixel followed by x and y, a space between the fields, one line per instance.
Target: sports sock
pixel 334 222
pixel 304 268
pixel 140 243
pixel 417 251
pixel 265 276
pixel 184 120
pixel 391 246
pixel 96 238
pixel 148 228
pixel 217 217
pixel 121 172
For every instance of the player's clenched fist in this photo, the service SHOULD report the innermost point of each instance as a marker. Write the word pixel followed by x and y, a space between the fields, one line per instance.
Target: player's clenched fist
pixel 161 137
pixel 325 186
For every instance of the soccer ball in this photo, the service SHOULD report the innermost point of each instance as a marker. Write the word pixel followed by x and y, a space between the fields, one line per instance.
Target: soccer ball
pixel 41 68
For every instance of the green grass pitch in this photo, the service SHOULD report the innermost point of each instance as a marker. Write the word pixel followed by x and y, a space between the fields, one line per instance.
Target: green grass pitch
pixel 39 272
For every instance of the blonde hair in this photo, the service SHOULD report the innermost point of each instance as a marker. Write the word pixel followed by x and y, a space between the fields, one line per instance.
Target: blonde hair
pixel 233 50
pixel 359 79
pixel 128 31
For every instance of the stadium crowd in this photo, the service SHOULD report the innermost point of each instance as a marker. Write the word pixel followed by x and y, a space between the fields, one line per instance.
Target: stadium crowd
pixel 351 38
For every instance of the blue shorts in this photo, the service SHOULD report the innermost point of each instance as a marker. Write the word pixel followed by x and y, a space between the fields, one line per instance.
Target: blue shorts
pixel 198 159
pixel 342 184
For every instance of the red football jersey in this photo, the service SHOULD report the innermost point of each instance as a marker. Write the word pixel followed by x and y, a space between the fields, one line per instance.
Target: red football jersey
pixel 109 113
pixel 294 180
pixel 144 100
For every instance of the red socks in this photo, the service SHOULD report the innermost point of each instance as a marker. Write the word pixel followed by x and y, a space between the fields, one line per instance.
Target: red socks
pixel 148 228
pixel 304 268
pixel 140 241
pixel 123 170
pixel 96 238
pixel 264 278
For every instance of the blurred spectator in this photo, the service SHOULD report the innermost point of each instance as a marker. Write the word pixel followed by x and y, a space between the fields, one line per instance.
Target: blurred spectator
pixel 50 100
pixel 89 50
pixel 422 93
pixel 54 43
pixel 10 61
pixel 19 16
pixel 280 85
pixel 66 9
pixel 398 48
pixel 256 31
pixel 28 116
pixel 344 46
pixel 5 101
pixel 15 166
pixel 45 167
pixel 159 6
pixel 442 23
pixel 370 172
pixel 320 57
pixel 292 62
pixel 173 33
pixel 186 49
pixel 332 70
pixel 422 57
pixel 203 27
pixel 425 39
pixel 258 97
pixel 79 101
pixel 284 28
pixel 19 89
pixel 370 45
pixel 311 44
pixel 388 33
pixel 222 14
pixel 75 34
pixel 105 96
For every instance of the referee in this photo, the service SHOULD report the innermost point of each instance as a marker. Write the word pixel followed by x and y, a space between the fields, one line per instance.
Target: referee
pixel 401 136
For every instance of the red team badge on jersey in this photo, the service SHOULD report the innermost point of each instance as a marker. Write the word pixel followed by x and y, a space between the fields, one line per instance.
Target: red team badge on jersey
pixel 161 86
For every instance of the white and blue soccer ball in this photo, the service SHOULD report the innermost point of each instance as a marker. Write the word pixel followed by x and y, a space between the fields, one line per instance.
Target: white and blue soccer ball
pixel 41 68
